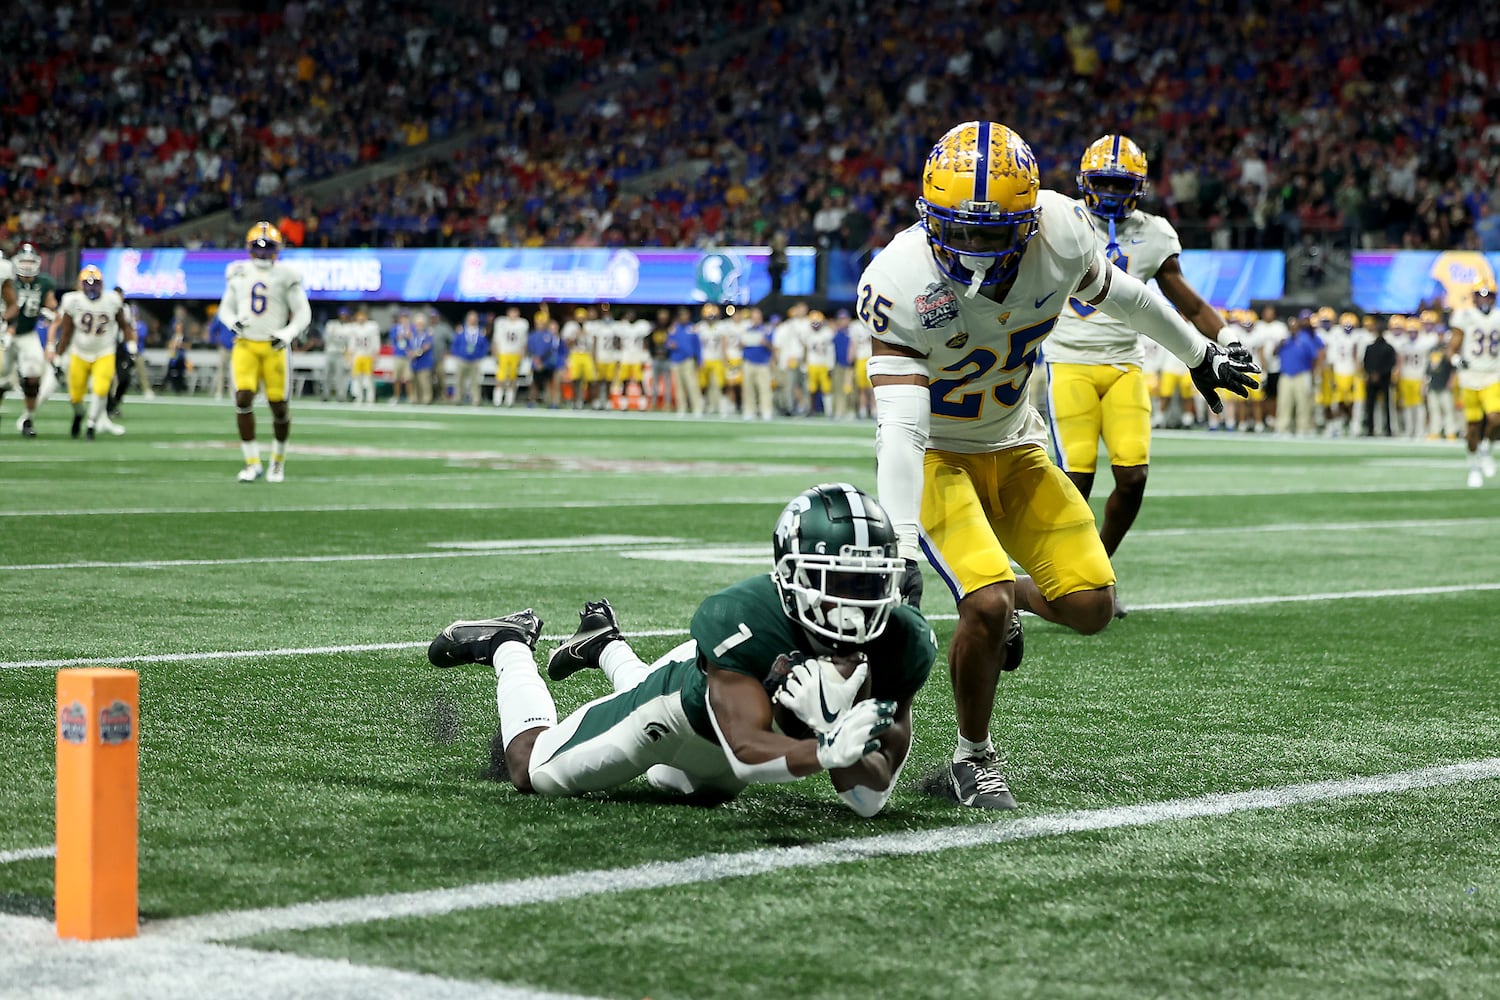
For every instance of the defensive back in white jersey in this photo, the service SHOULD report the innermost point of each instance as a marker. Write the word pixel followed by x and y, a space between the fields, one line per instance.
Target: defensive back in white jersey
pixel 1480 351
pixel 263 302
pixel 95 326
pixel 979 352
pixel 1088 336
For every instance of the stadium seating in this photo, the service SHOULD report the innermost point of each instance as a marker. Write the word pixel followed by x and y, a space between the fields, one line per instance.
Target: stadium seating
pixel 1261 123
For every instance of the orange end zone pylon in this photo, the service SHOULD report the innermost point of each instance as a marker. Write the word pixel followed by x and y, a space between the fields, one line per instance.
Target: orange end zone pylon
pixel 98 712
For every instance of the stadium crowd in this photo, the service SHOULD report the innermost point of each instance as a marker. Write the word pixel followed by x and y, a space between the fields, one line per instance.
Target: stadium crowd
pixel 810 129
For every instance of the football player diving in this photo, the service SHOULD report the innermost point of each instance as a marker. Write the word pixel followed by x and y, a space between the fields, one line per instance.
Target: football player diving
pixel 265 306
pixel 1094 381
pixel 811 667
pixel 959 305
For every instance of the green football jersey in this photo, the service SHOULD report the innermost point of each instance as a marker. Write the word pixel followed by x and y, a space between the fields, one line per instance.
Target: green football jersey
pixel 744 628
pixel 30 297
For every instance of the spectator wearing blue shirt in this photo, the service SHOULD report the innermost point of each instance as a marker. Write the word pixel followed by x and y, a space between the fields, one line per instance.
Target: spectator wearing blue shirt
pixel 843 366
pixel 684 350
pixel 423 357
pixel 470 348
pixel 755 348
pixel 401 336
pixel 1301 363
pixel 1488 228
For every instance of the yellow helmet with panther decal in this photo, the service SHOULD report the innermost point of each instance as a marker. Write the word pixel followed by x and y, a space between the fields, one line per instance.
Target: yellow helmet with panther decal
pixel 264 242
pixel 91 282
pixel 978 203
pixel 1112 176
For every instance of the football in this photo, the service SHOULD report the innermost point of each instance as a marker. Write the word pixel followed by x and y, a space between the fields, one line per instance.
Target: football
pixel 787 723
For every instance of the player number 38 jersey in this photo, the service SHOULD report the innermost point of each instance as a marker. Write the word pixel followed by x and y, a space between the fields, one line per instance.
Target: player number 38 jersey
pixel 95 329
pixel 1087 336
pixel 1481 346
pixel 979 352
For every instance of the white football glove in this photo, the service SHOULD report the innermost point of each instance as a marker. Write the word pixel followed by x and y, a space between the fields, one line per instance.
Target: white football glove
pixel 818 694
pixel 856 734
pixel 282 341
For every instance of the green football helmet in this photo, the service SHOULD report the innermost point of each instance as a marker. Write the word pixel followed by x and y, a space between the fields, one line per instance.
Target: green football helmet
pixel 836 565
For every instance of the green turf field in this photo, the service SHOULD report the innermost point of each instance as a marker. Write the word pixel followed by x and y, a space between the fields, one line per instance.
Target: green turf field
pixel 1302 612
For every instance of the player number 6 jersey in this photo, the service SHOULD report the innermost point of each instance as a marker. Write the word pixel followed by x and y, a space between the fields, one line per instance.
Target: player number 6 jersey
pixel 262 299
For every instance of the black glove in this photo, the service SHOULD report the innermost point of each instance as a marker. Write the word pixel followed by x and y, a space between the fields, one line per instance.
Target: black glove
pixel 911 585
pixel 1228 368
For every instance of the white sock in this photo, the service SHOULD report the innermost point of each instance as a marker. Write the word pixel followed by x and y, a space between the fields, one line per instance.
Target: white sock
pixel 278 450
pixel 1484 446
pixel 96 409
pixel 968 748
pixel 251 451
pixel 621 666
pixel 520 693
pixel 1473 459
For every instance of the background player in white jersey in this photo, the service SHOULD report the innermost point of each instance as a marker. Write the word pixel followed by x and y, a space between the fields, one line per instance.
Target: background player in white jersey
pixel 609 347
pixel 1474 345
pixel 1096 386
pixel 860 348
pixel 508 340
pixel 364 346
pixel 336 370
pixel 1344 344
pixel 1412 350
pixel 265 306
pixel 959 305
pixel 818 344
pixel 89 325
pixel 788 344
pixel 1266 338
pixel 713 369
pixel 635 354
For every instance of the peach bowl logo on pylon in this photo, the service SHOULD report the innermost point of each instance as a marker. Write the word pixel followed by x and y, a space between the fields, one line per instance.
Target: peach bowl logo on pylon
pixel 73 723
pixel 116 723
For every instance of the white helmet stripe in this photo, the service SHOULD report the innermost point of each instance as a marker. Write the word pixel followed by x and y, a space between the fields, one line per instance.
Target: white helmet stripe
pixel 857 508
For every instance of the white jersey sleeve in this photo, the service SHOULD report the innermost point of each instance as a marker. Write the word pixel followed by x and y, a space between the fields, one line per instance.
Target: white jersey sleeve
pixel 1086 335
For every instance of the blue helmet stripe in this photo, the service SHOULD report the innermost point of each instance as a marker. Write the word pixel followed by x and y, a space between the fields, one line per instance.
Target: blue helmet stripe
pixel 1114 153
pixel 982 165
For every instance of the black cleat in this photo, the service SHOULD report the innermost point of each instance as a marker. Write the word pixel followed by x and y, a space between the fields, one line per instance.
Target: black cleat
pixel 979 782
pixel 476 641
pixel 89 432
pixel 1015 643
pixel 596 629
pixel 27 430
pixel 1120 610
pixel 77 425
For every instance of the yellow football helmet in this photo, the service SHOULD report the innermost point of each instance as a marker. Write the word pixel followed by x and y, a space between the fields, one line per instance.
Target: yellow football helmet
pixel 978 203
pixel 816 318
pixel 1112 176
pixel 264 243
pixel 1349 321
pixel 91 282
pixel 1324 316
pixel 1484 297
pixel 1431 318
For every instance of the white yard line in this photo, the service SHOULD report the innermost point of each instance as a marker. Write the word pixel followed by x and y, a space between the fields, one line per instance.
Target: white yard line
pixel 533 503
pixel 27 854
pixel 518 548
pixel 234 925
pixel 251 654
pixel 35 962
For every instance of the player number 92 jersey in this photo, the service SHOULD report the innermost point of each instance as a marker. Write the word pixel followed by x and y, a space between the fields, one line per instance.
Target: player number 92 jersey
pixel 1087 336
pixel 95 328
pixel 979 352
pixel 262 298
